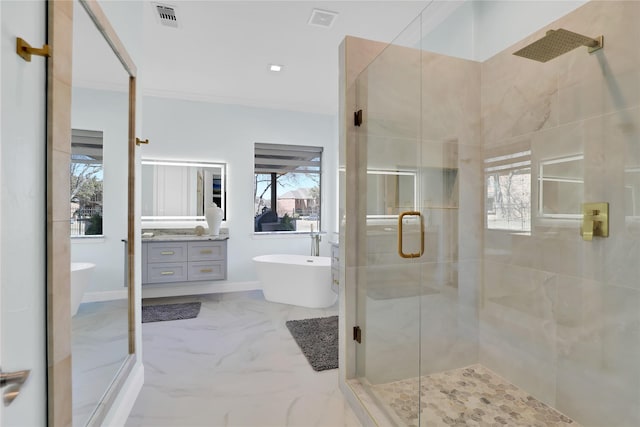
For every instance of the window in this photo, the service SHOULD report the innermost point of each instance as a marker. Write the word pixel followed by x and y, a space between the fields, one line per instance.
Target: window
pixel 508 191
pixel 86 178
pixel 287 188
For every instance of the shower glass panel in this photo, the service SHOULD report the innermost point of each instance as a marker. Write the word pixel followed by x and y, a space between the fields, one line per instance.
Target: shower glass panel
pixel 388 285
pixel 451 194
pixel 559 316
pixel 507 315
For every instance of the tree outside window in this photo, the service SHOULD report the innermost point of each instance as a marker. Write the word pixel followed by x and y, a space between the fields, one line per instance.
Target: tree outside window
pixel 508 191
pixel 86 183
pixel 290 176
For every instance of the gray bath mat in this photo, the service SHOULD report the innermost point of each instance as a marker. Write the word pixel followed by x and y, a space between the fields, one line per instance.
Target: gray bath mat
pixel 318 340
pixel 163 312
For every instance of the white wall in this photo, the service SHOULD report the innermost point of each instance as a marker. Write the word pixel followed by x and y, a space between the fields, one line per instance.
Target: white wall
pixel 191 130
pixel 477 30
pixel 106 111
pixel 499 24
pixel 23 210
pixel 454 36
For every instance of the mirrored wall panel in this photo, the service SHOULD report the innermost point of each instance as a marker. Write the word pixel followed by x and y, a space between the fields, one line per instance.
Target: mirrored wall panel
pixel 97 217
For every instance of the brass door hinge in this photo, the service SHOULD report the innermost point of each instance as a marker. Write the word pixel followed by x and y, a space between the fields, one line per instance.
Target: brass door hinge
pixel 357 334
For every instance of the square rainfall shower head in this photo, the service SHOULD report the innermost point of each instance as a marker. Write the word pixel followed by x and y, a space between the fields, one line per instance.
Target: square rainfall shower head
pixel 556 43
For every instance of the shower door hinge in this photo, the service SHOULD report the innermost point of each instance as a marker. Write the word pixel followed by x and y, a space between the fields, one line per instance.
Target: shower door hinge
pixel 357 118
pixel 357 334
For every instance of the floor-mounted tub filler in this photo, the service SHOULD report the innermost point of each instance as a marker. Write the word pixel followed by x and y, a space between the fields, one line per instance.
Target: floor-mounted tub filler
pixel 296 279
pixel 80 276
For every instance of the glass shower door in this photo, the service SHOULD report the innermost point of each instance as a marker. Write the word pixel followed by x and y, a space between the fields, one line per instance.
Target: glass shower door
pixel 390 224
pixel 517 310
pixel 420 193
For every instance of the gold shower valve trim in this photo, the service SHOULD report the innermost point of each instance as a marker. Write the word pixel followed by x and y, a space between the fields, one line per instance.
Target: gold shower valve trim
pixel 25 50
pixel 595 220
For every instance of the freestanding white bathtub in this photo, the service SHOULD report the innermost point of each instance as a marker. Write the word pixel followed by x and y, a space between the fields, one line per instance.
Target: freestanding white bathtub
pixel 296 279
pixel 80 276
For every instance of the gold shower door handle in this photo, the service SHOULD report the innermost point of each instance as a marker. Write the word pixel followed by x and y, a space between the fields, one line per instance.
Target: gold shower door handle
pixel 400 248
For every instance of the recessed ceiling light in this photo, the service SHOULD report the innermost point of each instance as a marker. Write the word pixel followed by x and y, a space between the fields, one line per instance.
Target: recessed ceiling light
pixel 322 18
pixel 275 67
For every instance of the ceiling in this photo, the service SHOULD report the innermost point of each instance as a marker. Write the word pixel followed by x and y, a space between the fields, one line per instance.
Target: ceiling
pixel 221 50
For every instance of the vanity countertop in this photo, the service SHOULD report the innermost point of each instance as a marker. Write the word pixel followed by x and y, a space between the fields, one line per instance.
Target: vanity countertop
pixel 183 238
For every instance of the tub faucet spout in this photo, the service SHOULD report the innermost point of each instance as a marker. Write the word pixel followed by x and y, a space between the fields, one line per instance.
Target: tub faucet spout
pixel 315 242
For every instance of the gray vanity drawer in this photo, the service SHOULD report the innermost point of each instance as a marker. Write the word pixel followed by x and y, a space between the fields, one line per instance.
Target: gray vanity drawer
pixel 207 251
pixel 208 270
pixel 166 252
pixel 167 272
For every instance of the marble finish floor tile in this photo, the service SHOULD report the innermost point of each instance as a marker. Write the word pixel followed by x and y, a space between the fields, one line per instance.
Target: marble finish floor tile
pixel 100 344
pixel 471 396
pixel 236 364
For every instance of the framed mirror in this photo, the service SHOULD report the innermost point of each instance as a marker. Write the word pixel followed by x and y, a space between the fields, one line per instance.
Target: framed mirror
pixel 180 190
pixel 90 317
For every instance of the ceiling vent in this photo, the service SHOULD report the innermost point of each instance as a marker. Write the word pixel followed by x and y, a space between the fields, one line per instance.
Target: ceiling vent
pixel 166 14
pixel 322 18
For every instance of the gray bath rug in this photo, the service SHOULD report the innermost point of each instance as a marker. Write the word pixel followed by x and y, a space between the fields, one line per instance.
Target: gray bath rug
pixel 163 312
pixel 318 340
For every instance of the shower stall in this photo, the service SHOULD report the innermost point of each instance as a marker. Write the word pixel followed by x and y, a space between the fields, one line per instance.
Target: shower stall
pixel 490 231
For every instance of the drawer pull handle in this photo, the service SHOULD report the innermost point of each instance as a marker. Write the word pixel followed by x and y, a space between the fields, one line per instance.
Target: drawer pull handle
pixel 206 270
pixel 167 253
pixel 168 273
pixel 336 282
pixel 206 251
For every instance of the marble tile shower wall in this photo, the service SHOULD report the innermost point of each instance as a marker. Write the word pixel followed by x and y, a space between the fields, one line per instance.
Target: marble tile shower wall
pixel 560 317
pixel 451 134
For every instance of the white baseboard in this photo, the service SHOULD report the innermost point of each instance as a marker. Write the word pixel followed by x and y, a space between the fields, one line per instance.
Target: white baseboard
pixel 189 288
pixel 104 295
pixel 119 413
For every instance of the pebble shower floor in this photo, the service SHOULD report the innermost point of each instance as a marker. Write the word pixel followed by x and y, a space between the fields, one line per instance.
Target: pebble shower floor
pixel 471 396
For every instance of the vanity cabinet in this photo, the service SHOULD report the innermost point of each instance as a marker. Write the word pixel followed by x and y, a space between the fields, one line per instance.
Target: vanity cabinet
pixel 183 261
